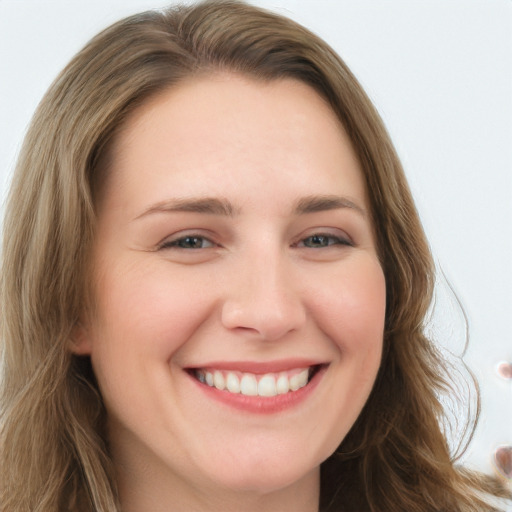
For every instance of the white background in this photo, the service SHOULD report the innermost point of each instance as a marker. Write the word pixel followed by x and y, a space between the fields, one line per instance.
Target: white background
pixel 439 72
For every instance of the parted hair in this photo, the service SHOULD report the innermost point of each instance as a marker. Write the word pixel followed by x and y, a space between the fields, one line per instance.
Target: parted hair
pixel 54 453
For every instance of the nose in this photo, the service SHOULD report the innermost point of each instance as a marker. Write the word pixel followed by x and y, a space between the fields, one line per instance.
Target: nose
pixel 263 300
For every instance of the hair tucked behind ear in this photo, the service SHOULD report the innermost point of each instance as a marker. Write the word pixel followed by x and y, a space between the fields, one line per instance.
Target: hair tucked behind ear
pixel 54 454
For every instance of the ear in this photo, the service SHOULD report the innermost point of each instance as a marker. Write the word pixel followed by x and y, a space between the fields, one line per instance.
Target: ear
pixel 80 343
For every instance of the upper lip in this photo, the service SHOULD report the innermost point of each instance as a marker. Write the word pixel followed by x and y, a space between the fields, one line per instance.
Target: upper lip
pixel 261 367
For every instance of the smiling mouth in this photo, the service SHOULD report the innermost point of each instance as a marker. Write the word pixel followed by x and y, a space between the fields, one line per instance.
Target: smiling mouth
pixel 252 384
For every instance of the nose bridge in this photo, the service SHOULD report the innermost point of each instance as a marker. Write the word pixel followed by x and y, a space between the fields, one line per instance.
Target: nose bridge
pixel 263 297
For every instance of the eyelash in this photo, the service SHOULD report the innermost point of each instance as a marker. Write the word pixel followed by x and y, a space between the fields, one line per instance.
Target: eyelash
pixel 175 244
pixel 323 239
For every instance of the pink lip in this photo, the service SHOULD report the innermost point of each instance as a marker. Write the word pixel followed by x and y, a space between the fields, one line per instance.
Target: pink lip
pixel 262 405
pixel 259 367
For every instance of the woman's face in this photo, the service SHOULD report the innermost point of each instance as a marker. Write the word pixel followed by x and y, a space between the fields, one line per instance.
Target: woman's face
pixel 234 249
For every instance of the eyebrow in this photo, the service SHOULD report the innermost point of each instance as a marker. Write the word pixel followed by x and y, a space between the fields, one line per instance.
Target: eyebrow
pixel 208 205
pixel 219 206
pixel 313 204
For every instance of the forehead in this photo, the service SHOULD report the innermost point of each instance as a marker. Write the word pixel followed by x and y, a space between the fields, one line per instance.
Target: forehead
pixel 235 128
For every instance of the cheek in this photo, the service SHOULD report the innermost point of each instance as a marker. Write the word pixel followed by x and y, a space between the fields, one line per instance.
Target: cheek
pixel 150 312
pixel 350 311
pixel 144 317
pixel 351 307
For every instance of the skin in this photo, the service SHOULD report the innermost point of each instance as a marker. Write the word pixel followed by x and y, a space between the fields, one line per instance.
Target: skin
pixel 255 284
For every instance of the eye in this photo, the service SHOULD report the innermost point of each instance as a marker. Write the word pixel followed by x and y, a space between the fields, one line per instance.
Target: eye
pixel 188 242
pixel 320 240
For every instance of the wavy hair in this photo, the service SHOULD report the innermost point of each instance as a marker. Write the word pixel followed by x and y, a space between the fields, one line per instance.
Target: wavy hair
pixel 54 452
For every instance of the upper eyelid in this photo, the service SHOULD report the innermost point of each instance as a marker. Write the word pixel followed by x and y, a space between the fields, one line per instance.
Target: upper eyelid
pixel 345 240
pixel 340 234
pixel 170 240
pixel 331 232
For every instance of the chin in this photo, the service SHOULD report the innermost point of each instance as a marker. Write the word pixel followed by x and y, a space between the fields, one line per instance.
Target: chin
pixel 264 471
pixel 263 480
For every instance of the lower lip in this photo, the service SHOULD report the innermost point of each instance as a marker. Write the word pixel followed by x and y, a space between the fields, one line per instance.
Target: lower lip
pixel 263 405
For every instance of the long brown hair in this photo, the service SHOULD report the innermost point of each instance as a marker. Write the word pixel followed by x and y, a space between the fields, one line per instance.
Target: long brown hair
pixel 54 453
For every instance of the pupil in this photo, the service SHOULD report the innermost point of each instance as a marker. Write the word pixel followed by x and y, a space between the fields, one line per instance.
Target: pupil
pixel 318 240
pixel 192 242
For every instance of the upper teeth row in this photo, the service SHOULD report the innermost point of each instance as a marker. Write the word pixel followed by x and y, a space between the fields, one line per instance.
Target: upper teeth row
pixel 249 384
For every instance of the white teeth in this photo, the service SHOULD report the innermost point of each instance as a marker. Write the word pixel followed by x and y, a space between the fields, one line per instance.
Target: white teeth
pixel 232 383
pixel 267 386
pixel 283 384
pixel 299 381
pixel 218 380
pixel 249 384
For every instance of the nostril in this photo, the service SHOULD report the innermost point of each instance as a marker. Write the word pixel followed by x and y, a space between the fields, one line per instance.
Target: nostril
pixel 270 320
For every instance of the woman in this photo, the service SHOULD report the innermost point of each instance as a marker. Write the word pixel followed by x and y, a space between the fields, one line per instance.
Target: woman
pixel 214 285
